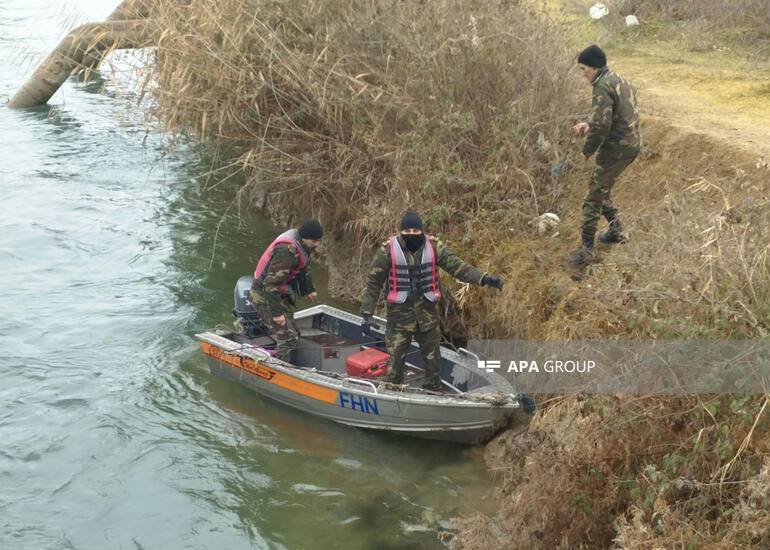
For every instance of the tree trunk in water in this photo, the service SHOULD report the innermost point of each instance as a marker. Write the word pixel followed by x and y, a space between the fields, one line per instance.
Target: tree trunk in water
pixel 85 47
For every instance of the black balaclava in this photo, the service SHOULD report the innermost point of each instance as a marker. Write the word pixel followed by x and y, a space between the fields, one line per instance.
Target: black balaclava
pixel 411 220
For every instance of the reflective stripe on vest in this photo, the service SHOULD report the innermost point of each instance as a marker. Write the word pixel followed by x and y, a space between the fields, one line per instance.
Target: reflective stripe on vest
pixel 290 236
pixel 399 283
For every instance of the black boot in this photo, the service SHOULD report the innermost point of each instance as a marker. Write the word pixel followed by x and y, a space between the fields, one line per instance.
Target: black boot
pixel 586 253
pixel 614 234
pixel 583 255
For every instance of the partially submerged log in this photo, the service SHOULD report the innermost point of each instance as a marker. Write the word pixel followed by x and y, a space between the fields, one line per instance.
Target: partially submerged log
pixel 85 47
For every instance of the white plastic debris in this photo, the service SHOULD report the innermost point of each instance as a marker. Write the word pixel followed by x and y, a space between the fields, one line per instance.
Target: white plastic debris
pixel 631 21
pixel 542 142
pixel 545 222
pixel 597 11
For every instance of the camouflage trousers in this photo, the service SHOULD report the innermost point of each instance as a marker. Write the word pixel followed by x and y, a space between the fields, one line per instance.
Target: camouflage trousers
pixel 398 343
pixel 286 335
pixel 609 165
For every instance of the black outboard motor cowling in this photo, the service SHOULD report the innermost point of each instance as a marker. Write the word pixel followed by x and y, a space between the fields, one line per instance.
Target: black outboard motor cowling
pixel 252 326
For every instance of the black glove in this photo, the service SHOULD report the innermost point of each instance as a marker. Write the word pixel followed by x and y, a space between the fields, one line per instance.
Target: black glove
pixel 493 281
pixel 302 284
pixel 367 325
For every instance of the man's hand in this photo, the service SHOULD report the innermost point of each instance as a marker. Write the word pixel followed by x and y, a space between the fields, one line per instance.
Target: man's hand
pixel 313 296
pixel 581 128
pixel 492 280
pixel 280 320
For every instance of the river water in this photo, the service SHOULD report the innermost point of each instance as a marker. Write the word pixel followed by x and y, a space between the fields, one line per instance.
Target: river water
pixel 113 433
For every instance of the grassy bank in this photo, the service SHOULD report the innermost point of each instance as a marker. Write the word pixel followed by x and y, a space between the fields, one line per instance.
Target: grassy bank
pixel 354 111
pixel 684 28
pixel 632 473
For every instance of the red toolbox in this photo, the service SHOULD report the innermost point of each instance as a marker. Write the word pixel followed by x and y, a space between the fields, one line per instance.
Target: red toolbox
pixel 367 363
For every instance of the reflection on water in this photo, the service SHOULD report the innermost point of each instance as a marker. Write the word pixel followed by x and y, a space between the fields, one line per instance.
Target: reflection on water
pixel 114 432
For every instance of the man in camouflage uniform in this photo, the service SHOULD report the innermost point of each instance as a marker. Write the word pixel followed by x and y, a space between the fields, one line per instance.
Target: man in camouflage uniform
pixel 614 131
pixel 415 313
pixel 281 274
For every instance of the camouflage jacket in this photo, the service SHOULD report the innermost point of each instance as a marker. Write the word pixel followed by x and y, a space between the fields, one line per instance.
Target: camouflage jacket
pixel 283 260
pixel 614 116
pixel 416 311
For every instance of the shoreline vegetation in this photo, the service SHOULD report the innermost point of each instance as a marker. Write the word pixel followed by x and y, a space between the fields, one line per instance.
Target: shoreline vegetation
pixel 354 111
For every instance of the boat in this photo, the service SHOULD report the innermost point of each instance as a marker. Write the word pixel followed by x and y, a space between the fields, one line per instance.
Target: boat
pixel 471 408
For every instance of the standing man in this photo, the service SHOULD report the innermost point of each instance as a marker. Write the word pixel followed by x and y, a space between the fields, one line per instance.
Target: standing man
pixel 614 131
pixel 407 264
pixel 281 274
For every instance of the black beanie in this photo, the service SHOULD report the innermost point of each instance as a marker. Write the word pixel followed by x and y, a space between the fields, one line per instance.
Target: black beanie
pixel 411 220
pixel 310 229
pixel 593 56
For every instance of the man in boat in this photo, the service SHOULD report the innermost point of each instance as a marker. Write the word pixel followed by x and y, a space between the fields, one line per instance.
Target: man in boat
pixel 613 131
pixel 407 265
pixel 279 277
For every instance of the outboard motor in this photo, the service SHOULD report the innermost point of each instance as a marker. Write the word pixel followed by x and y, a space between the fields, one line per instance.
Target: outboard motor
pixel 252 325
